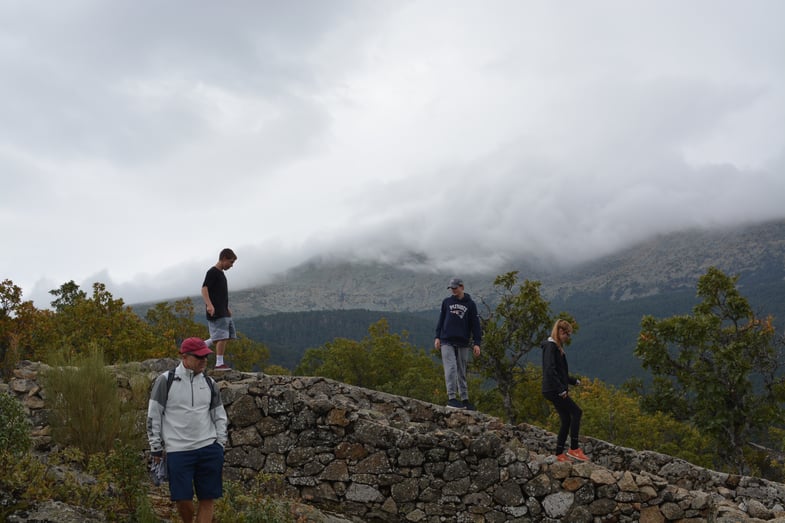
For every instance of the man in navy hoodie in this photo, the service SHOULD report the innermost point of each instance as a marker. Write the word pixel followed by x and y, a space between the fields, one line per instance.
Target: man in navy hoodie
pixel 459 325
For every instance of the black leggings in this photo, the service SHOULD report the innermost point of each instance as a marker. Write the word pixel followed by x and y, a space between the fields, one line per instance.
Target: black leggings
pixel 570 415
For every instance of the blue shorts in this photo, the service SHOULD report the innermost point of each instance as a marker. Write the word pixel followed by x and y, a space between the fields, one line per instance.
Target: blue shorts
pixel 201 469
pixel 222 329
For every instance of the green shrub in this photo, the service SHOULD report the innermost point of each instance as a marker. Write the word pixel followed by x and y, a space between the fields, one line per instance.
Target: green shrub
pixel 260 501
pixel 24 476
pixel 86 411
pixel 129 474
pixel 113 483
pixel 15 436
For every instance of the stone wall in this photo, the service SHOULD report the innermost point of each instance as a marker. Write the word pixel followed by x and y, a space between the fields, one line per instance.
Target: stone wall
pixel 377 457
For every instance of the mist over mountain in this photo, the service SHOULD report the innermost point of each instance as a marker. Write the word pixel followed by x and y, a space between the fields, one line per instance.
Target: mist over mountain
pixel 667 263
pixel 327 298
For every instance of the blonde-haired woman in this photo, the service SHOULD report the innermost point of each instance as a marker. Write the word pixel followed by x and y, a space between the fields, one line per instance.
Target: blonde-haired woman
pixel 556 380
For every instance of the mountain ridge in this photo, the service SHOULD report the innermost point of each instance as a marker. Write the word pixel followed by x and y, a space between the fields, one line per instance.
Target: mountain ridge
pixel 662 264
pixel 318 301
pixel 608 297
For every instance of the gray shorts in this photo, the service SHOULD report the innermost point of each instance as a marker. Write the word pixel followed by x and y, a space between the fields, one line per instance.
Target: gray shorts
pixel 222 329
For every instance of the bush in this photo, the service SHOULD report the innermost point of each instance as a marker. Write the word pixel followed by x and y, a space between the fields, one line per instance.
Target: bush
pixel 259 501
pixel 128 473
pixel 86 411
pixel 24 476
pixel 113 484
pixel 15 436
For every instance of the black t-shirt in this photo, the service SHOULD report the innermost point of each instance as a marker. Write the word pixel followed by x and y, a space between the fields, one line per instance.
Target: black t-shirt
pixel 217 288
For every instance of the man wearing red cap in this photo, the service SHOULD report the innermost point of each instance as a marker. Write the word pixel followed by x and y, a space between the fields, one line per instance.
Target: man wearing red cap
pixel 186 419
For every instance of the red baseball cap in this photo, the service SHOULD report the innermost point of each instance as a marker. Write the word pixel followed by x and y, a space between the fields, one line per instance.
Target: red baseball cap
pixel 195 346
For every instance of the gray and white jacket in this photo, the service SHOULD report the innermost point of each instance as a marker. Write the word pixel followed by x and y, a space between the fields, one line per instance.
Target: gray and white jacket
pixel 188 417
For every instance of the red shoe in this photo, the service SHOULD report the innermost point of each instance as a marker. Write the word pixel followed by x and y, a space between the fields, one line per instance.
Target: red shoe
pixel 562 457
pixel 577 454
pixel 222 367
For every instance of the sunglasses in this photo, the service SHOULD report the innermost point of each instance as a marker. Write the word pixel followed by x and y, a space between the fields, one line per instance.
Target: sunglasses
pixel 198 357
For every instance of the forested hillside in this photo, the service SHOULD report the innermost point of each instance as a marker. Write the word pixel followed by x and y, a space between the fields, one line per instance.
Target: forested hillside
pixel 602 349
pixel 289 334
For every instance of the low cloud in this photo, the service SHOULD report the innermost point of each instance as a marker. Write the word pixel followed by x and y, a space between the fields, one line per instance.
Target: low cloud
pixel 459 139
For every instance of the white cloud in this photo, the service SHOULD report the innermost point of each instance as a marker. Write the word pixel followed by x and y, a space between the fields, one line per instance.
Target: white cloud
pixel 138 139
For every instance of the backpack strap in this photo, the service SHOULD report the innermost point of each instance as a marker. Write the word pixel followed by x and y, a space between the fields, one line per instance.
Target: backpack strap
pixel 170 379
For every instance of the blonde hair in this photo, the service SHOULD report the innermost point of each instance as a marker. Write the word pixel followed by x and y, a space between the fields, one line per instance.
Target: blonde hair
pixel 560 325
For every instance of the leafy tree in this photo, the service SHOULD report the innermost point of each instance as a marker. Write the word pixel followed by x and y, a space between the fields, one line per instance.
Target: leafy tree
pixel 10 298
pixel 175 322
pixel 277 370
pixel 34 329
pixel 22 326
pixel 381 361
pixel 527 400
pixel 246 354
pixel 520 322
pixel 105 322
pixel 68 295
pixel 717 367
pixel 615 415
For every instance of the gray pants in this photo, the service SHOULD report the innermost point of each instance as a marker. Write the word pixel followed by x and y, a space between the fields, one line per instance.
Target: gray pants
pixel 454 360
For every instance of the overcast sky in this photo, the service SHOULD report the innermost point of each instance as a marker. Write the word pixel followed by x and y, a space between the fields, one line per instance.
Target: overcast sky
pixel 138 138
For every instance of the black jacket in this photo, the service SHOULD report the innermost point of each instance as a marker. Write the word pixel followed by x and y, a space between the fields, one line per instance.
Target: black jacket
pixel 555 371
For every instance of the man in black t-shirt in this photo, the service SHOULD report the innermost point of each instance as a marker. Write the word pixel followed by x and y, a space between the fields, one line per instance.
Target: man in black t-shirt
pixel 215 293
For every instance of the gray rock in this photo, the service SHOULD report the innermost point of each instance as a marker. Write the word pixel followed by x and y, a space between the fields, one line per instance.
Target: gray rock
pixel 56 512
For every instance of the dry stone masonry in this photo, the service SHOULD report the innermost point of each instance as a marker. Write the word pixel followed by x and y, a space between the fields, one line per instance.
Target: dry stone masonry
pixel 377 457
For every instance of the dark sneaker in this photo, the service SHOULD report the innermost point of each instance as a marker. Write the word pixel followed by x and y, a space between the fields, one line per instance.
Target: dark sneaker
pixel 222 367
pixel 454 403
pixel 468 405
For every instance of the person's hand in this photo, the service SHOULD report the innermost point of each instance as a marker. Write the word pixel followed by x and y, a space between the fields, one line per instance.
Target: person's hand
pixel 476 350
pixel 158 468
pixel 210 309
pixel 563 394
pixel 437 343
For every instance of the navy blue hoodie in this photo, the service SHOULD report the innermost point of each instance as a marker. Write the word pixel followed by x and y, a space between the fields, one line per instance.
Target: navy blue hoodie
pixel 458 321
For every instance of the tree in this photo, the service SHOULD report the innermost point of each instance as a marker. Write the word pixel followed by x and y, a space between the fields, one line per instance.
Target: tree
pixel 79 321
pixel 247 355
pixel 717 367
pixel 22 326
pixel 10 298
pixel 67 295
pixel 175 322
pixel 381 361
pixel 527 400
pixel 615 415
pixel 103 321
pixel 520 322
